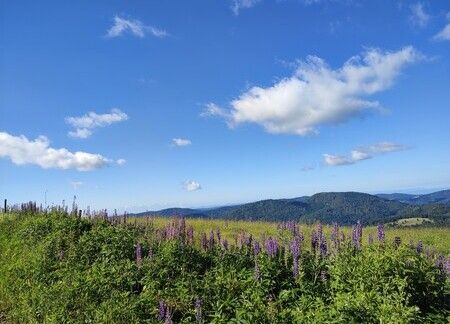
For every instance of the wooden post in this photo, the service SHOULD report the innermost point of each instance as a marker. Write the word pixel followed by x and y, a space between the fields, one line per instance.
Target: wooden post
pixel 5 205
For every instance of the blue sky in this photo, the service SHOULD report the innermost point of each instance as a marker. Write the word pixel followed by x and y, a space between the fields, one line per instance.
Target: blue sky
pixel 200 103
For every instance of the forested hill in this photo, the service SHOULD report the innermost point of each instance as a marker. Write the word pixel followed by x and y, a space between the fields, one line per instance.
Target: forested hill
pixel 327 207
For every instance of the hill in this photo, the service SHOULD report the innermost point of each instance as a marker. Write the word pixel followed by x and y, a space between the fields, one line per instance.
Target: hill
pixel 441 197
pixel 326 207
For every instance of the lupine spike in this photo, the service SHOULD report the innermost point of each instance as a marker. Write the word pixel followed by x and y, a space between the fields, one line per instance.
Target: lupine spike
pixel 380 233
pixel 138 254
pixel 198 310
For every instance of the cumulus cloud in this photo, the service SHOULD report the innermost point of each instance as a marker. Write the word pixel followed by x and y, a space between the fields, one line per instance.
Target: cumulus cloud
pixel 242 4
pixel 362 153
pixel 181 142
pixel 419 17
pixel 317 94
pixel 191 185
pixel 84 125
pixel 444 34
pixel 135 27
pixel 20 150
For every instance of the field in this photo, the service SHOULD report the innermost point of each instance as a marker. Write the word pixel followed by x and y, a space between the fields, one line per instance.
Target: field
pixel 437 238
pixel 59 268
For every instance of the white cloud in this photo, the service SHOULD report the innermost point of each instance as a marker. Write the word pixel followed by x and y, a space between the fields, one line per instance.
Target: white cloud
pixel 362 153
pixel 135 27
pixel 418 15
pixel 318 95
pixel 121 161
pixel 444 34
pixel 76 184
pixel 191 185
pixel 212 110
pixel 21 150
pixel 242 4
pixel 181 142
pixel 84 125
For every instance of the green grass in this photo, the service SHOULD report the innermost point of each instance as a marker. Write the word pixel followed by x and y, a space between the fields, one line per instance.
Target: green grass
pixel 437 238
pixel 56 268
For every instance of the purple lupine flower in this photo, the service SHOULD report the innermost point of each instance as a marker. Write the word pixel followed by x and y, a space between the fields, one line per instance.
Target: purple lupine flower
pixel 225 244
pixel 440 262
pixel 357 235
pixel 335 235
pixel 370 239
pixel 168 319
pixel 204 241
pixel 198 310
pixel 138 254
pixel 397 241
pixel 271 247
pixel 446 266
pixel 314 241
pixel 380 233
pixel 256 248
pixel 162 310
pixel 211 240
pixel 323 247
pixel 319 230
pixel 190 234
pixel 419 247
pixel 182 225
pixel 257 272
pixel 295 250
pixel 247 240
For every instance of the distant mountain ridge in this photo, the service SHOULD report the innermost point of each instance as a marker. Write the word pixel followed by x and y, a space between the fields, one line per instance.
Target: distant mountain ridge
pixel 441 197
pixel 329 207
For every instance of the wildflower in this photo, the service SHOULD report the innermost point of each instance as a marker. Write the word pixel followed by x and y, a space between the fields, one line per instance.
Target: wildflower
pixel 419 247
pixel 198 310
pixel 162 310
pixel 271 247
pixel 380 233
pixel 211 240
pixel 335 235
pixel 190 234
pixel 323 247
pixel 295 250
pixel 138 254
pixel 168 319
pixel 357 235
pixel 446 266
pixel 323 276
pixel 256 248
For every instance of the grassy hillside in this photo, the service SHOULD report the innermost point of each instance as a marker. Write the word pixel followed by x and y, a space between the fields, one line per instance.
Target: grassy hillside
pixel 57 268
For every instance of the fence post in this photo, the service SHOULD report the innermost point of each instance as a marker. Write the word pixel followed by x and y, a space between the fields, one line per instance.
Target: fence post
pixel 6 201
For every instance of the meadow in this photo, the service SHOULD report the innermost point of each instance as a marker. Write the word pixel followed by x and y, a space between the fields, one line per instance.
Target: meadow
pixel 57 267
pixel 436 238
